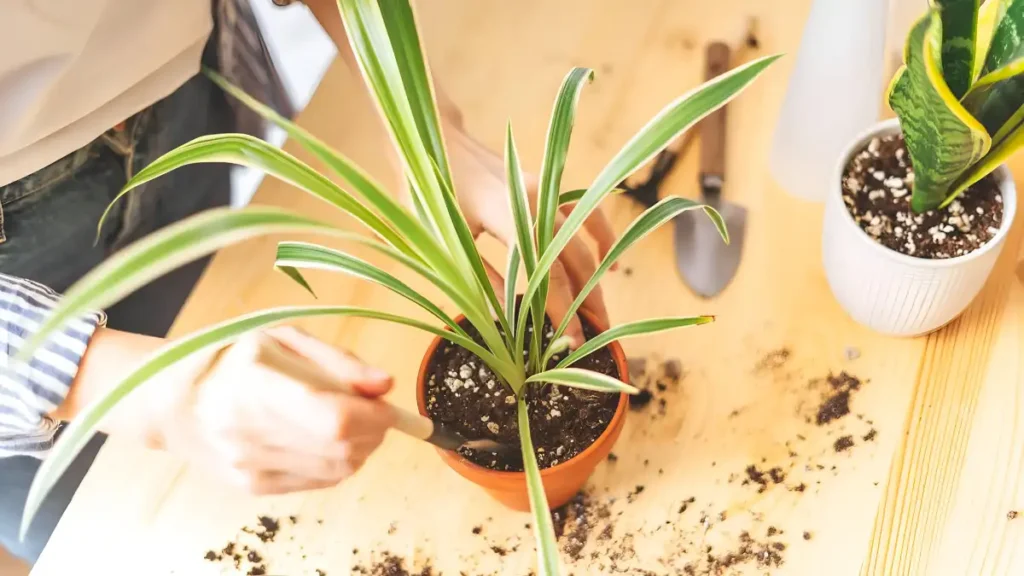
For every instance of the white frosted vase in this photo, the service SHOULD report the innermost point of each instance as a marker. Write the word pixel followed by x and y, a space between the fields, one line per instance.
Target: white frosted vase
pixel 834 93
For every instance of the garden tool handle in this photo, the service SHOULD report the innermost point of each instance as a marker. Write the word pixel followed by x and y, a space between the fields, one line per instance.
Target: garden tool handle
pixel 712 128
pixel 264 351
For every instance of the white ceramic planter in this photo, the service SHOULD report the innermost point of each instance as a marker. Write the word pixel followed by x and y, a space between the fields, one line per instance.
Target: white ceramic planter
pixel 891 292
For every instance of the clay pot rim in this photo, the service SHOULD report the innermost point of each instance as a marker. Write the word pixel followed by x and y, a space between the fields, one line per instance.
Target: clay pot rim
pixel 466 468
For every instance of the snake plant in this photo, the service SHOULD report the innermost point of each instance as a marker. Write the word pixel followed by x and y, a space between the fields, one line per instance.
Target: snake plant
pixel 960 95
pixel 431 240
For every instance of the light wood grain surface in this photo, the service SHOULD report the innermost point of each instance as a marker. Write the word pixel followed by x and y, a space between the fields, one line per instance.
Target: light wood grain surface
pixel 928 495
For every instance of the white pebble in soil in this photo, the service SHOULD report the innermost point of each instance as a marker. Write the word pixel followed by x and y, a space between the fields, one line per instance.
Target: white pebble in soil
pixel 493 427
pixel 465 371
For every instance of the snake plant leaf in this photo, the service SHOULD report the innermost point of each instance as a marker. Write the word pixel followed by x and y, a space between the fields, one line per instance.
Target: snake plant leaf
pixel 959 41
pixel 585 379
pixel 1008 140
pixel 943 139
pixel 629 330
pixel 990 14
pixel 245 150
pixel 305 255
pixel 674 119
pixel 999 93
pixel 362 183
pixel 649 221
pixel 81 430
pixel 543 528
pixel 400 22
pixel 163 251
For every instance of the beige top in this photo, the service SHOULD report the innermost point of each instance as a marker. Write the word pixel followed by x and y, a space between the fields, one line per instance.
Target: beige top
pixel 72 69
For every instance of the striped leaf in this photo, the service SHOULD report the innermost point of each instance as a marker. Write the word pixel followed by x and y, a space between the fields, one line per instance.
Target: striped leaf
pixel 511 275
pixel 632 329
pixel 81 430
pixel 405 40
pixel 959 40
pixel 556 149
pixel 675 118
pixel 244 150
pixel 543 528
pixel 1008 140
pixel 649 221
pixel 362 183
pixel 163 251
pixel 584 379
pixel 312 256
pixel 574 196
pixel 943 139
pixel 991 12
pixel 999 92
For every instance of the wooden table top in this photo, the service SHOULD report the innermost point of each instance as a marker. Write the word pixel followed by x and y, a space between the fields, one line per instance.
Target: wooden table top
pixel 928 494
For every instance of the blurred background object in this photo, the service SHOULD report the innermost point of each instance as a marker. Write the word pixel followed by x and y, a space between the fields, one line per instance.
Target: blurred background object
pixel 835 92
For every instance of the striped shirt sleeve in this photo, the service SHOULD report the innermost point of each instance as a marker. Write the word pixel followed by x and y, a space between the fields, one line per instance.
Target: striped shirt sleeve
pixel 30 391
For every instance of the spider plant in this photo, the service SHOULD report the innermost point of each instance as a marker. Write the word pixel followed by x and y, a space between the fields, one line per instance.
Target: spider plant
pixel 432 240
pixel 960 95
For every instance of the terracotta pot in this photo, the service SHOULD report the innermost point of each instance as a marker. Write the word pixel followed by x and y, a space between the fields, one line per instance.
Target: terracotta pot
pixel 562 481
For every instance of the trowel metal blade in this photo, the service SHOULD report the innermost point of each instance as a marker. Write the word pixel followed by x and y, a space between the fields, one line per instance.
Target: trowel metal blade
pixel 706 263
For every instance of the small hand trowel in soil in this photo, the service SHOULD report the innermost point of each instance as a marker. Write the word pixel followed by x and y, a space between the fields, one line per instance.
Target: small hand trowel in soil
pixel 267 353
pixel 705 262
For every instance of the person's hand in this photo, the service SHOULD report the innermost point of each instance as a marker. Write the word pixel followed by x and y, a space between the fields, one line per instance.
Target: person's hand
pixel 483 196
pixel 266 432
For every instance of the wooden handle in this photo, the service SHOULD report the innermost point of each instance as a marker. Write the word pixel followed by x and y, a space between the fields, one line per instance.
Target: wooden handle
pixel 262 350
pixel 712 128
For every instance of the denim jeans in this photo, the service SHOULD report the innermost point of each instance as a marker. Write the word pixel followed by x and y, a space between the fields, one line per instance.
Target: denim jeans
pixel 48 229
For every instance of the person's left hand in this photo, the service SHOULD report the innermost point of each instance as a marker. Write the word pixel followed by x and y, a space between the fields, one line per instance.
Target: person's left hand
pixel 483 196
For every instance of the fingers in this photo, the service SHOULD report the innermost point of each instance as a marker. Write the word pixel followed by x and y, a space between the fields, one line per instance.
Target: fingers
pixel 560 297
pixel 367 380
pixel 600 229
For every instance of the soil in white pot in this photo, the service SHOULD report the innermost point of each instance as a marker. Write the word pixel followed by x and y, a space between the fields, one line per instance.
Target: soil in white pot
pixel 877 186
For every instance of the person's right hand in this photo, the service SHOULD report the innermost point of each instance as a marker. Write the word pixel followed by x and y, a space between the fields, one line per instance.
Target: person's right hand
pixel 266 432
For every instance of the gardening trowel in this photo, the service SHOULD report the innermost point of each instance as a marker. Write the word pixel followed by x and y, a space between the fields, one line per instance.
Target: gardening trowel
pixel 704 261
pixel 265 352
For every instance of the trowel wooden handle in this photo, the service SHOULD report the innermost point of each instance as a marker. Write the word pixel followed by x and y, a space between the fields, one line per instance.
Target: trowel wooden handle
pixel 262 350
pixel 712 128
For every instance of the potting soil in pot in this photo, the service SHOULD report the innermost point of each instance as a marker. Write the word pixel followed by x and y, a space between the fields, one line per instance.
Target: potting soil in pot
pixel 462 393
pixel 877 186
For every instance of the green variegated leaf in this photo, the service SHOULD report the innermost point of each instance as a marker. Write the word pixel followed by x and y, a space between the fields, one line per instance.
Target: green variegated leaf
pixel 543 528
pixel 639 328
pixel 511 275
pixel 298 278
pixel 163 251
pixel 675 118
pixel 371 191
pixel 584 379
pixel 649 221
pixel 556 149
pixel 943 139
pixel 574 196
pixel 245 150
pixel 1007 141
pixel 401 27
pixel 999 93
pixel 81 430
pixel 959 40
pixel 313 256
pixel 990 14
pixel 520 203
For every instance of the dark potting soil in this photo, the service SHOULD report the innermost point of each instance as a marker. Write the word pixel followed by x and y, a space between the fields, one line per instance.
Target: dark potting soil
pixel 464 395
pixel 877 186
